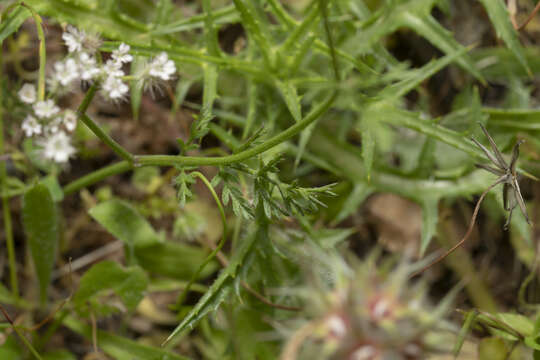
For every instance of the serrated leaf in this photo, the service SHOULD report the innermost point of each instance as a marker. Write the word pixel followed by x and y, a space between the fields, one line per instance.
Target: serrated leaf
pixel 125 223
pixel 430 216
pixel 216 293
pixel 128 283
pixel 500 18
pixel 41 226
pixel 13 21
pixel 120 347
pixel 290 96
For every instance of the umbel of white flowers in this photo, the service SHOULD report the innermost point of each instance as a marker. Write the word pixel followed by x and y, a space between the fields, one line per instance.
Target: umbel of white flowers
pixel 51 126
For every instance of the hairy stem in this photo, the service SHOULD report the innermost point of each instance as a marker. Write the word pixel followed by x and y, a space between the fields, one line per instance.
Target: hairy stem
pixel 171 160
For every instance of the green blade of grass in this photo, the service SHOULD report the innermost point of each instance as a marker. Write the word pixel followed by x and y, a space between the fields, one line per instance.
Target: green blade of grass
pixel 500 18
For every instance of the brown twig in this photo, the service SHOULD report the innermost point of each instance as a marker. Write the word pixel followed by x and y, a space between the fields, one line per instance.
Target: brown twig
pixel 467 234
pixel 529 18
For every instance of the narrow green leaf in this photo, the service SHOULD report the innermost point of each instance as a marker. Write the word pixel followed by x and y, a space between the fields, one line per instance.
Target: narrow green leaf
pixel 368 143
pixel 210 33
pixel 41 226
pixel 252 94
pixel 182 87
pixel 219 289
pixel 125 223
pixel 294 41
pixel 305 135
pixel 435 33
pixel 120 347
pixel 128 283
pixel 13 21
pixel 500 18
pixel 430 216
pixel 415 77
pixel 209 96
pixel 136 87
pixel 464 331
pixel 353 200
pixel 289 93
pixel 255 27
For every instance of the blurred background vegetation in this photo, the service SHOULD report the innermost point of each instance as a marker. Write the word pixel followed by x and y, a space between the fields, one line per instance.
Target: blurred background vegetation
pixel 278 99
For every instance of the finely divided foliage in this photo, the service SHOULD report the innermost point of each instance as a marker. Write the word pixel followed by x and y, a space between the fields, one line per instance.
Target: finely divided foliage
pixel 287 115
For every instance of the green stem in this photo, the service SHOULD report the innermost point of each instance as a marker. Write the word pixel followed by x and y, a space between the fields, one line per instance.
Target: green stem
pixel 8 228
pixel 97 130
pixel 27 343
pixel 170 160
pixel 96 176
pixel 184 293
pixel 42 52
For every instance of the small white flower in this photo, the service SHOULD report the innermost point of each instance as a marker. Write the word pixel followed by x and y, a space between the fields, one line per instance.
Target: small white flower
pixel 88 67
pixel 57 147
pixel 115 88
pixel 74 38
pixel 121 55
pixel 70 120
pixel 27 94
pixel 45 109
pixel 112 69
pixel 30 126
pixel 53 126
pixel 66 71
pixel 161 67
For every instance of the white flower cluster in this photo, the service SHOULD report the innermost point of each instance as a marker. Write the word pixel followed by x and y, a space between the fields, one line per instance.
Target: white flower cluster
pixel 49 125
pixel 81 64
pixel 53 126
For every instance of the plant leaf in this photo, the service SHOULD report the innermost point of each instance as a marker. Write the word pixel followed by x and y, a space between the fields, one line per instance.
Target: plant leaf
pixel 136 87
pixel 125 223
pixel 430 216
pixel 13 21
pixel 119 347
pixel 128 283
pixel 500 18
pixel 219 289
pixel 289 94
pixel 41 226
pixel 464 331
pixel 368 142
